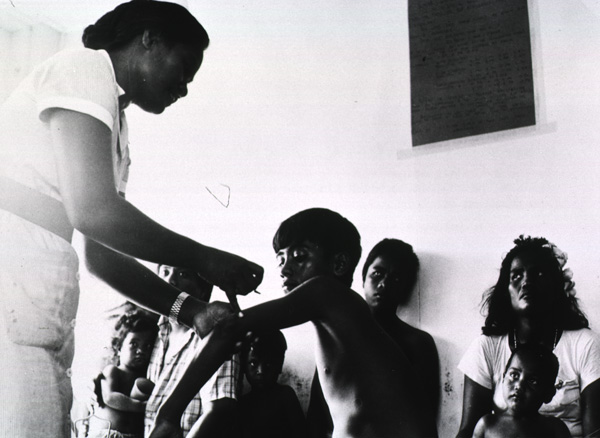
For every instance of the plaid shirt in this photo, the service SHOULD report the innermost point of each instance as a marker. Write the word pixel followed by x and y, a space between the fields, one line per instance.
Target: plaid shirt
pixel 166 372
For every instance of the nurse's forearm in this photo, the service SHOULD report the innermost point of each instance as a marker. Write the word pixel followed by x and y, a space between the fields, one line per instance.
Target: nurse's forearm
pixel 138 283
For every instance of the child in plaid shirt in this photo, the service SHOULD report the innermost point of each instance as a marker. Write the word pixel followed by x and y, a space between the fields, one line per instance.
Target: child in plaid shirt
pixel 174 349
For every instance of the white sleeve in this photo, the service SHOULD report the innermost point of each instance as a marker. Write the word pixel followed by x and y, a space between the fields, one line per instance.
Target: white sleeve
pixel 589 359
pixel 475 364
pixel 81 81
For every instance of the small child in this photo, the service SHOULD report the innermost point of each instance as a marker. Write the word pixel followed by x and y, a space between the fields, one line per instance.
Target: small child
pixel 122 388
pixel 269 410
pixel 527 383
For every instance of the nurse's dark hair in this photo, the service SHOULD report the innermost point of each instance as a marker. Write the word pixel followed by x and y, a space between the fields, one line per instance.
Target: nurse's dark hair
pixel 496 304
pixel 174 23
pixel 325 228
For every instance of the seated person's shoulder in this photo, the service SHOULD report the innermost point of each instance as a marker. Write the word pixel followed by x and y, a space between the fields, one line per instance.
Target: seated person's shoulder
pixel 286 392
pixel 330 297
pixel 555 427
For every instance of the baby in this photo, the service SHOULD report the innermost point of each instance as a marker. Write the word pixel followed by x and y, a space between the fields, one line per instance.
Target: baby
pixel 122 389
pixel 527 383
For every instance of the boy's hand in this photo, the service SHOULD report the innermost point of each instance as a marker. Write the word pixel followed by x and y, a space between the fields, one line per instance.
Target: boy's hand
pixel 231 273
pixel 214 312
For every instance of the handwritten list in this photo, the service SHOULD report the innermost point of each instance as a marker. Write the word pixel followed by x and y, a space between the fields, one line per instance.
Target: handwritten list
pixel 471 70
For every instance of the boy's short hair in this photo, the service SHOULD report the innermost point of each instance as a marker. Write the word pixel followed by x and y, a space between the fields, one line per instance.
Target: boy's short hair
pixel 546 360
pixel 401 253
pixel 269 343
pixel 328 229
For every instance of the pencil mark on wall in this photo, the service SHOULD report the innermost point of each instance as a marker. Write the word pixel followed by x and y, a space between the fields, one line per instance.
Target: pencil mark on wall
pixel 224 203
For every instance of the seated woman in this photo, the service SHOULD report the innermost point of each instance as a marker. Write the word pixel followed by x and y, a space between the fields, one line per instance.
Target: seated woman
pixel 534 301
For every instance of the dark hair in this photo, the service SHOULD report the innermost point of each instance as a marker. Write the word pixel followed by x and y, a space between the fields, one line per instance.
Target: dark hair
pixel 269 343
pixel 128 20
pixel 400 253
pixel 131 322
pixel 328 229
pixel 543 357
pixel 496 301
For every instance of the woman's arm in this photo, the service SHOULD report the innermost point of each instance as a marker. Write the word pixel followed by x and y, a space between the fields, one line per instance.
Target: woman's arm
pixel 590 410
pixel 477 401
pixel 87 185
pixel 142 286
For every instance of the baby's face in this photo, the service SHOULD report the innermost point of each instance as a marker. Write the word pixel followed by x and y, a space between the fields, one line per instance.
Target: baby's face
pixel 523 386
pixel 136 349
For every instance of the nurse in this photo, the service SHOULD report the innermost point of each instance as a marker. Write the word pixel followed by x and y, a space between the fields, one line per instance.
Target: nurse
pixel 64 161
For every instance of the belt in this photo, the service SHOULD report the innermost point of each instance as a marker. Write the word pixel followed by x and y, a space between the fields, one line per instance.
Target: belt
pixel 35 207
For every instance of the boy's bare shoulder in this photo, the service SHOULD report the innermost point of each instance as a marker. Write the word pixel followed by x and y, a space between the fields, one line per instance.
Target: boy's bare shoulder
pixel 336 298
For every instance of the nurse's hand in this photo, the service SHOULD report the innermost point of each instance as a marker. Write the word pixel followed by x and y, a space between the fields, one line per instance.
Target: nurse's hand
pixel 231 273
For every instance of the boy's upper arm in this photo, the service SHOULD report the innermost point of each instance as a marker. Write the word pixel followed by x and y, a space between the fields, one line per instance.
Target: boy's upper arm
pixel 308 302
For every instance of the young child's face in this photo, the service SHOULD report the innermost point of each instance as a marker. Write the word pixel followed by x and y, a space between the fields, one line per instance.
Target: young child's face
pixel 523 386
pixel 262 370
pixel 186 280
pixel 383 284
pixel 136 349
pixel 301 262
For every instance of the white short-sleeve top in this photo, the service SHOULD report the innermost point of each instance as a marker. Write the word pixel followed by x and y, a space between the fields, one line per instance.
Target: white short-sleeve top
pixel 578 353
pixel 81 80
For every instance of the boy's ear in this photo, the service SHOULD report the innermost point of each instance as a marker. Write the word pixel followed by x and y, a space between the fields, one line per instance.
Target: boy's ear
pixel 341 263
pixel 150 38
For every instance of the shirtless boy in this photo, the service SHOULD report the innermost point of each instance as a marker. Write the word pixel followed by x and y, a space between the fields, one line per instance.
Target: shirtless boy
pixel 367 380
pixel 528 382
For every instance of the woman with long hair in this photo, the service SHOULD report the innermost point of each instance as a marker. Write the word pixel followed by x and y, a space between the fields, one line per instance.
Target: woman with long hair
pixel 534 301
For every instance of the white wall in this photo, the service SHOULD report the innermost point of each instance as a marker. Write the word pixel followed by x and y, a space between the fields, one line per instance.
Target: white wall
pixel 307 104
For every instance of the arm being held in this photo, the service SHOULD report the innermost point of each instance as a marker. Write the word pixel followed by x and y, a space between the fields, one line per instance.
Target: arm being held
pixel 299 306
pixel 129 277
